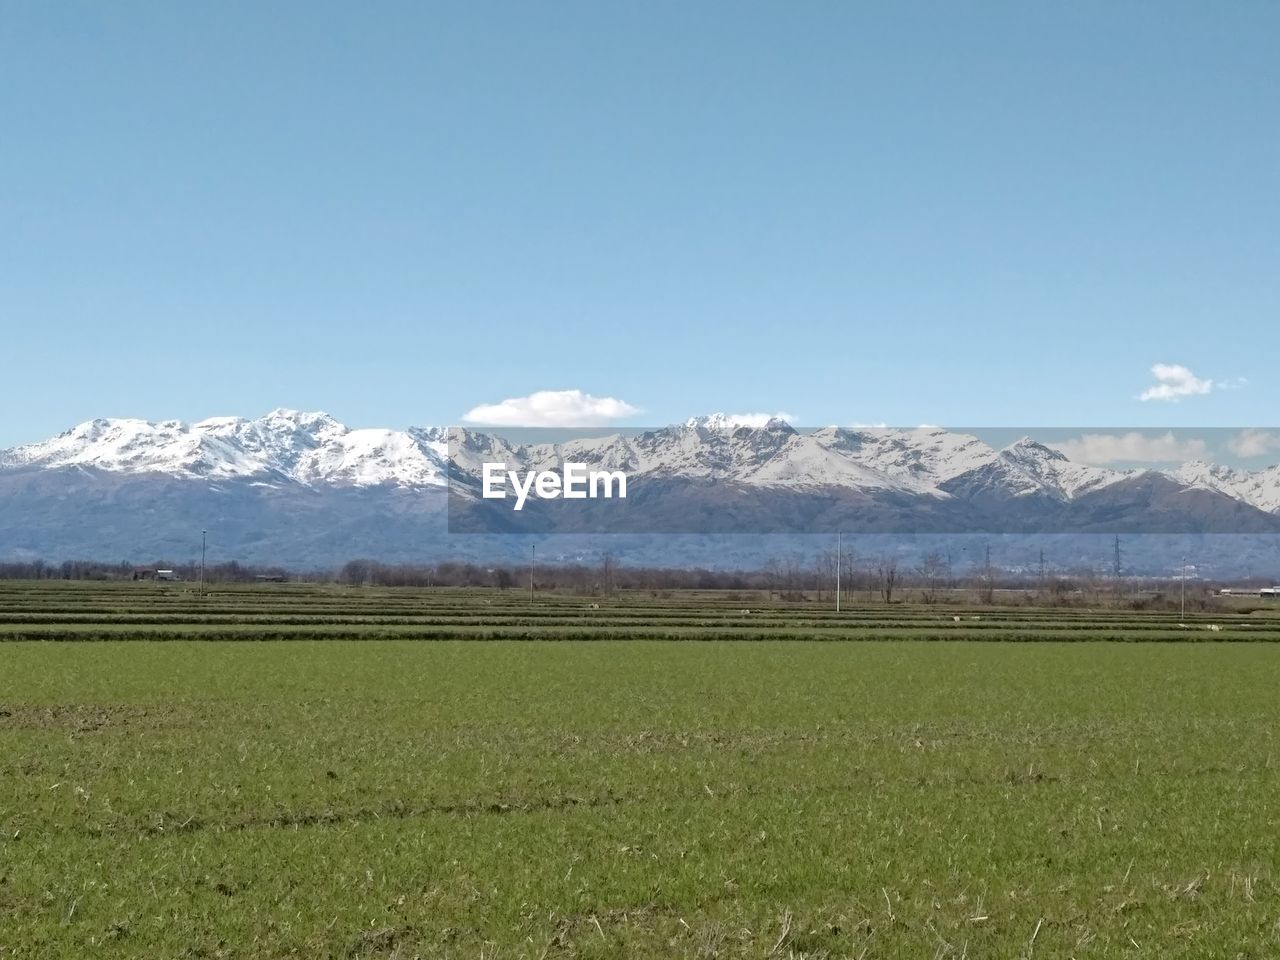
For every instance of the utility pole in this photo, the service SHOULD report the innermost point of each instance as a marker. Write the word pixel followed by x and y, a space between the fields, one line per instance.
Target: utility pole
pixel 533 559
pixel 838 548
pixel 1117 560
pixel 1042 569
pixel 202 550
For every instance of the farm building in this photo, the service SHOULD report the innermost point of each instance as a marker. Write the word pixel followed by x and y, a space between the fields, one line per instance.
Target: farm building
pixel 1266 593
pixel 154 573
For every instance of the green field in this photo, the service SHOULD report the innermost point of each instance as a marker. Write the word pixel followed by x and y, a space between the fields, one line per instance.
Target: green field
pixel 372 795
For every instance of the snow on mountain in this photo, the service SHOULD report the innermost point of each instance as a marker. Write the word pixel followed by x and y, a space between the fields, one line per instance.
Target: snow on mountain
pixel 703 448
pixel 1038 468
pixel 922 458
pixel 1260 489
pixel 468 450
pixel 307 448
pixel 369 457
pixel 315 449
pixel 729 422
pixel 711 447
pixel 278 440
pixel 716 447
pixel 809 461
pixel 719 448
pixel 139 446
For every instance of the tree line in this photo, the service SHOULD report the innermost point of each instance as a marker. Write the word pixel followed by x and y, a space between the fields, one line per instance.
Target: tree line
pixel 885 577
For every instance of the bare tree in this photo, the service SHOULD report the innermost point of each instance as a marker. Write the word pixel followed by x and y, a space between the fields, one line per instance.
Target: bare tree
pixel 825 565
pixel 932 570
pixel 795 576
pixel 848 566
pixel 773 575
pixel 887 571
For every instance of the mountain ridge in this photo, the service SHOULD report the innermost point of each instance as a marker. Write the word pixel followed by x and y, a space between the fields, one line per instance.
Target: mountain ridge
pixel 302 489
pixel 313 448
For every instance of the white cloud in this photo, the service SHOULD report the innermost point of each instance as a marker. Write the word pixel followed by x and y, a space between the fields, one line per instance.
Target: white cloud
pixel 1133 447
pixel 1173 382
pixel 551 408
pixel 1253 443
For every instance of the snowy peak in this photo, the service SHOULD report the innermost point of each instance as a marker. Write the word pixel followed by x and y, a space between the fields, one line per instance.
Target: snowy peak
pixel 135 446
pixel 926 455
pixel 730 422
pixel 1027 450
pixel 821 460
pixel 1028 469
pixel 276 442
pixel 312 448
pixel 1208 475
pixel 370 457
pixel 283 445
pixel 1041 468
pixel 1260 488
pixel 719 448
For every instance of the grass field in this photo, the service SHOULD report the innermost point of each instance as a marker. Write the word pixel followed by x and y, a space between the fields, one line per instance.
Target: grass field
pixel 369 795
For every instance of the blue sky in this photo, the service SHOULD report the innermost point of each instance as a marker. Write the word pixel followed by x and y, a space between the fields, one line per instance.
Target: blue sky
pixel 960 214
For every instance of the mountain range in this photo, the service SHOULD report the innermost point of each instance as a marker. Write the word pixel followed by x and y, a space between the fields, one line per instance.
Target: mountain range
pixel 303 489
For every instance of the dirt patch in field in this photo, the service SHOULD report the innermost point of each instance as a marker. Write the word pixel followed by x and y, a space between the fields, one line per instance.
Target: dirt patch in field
pixel 77 719
pixel 170 822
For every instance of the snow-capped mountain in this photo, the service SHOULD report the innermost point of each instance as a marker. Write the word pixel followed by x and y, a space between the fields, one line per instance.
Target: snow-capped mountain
pixel 315 449
pixel 714 475
pixel 1260 488
pixel 920 462
pixel 303 487
pixel 284 445
pixel 1028 467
